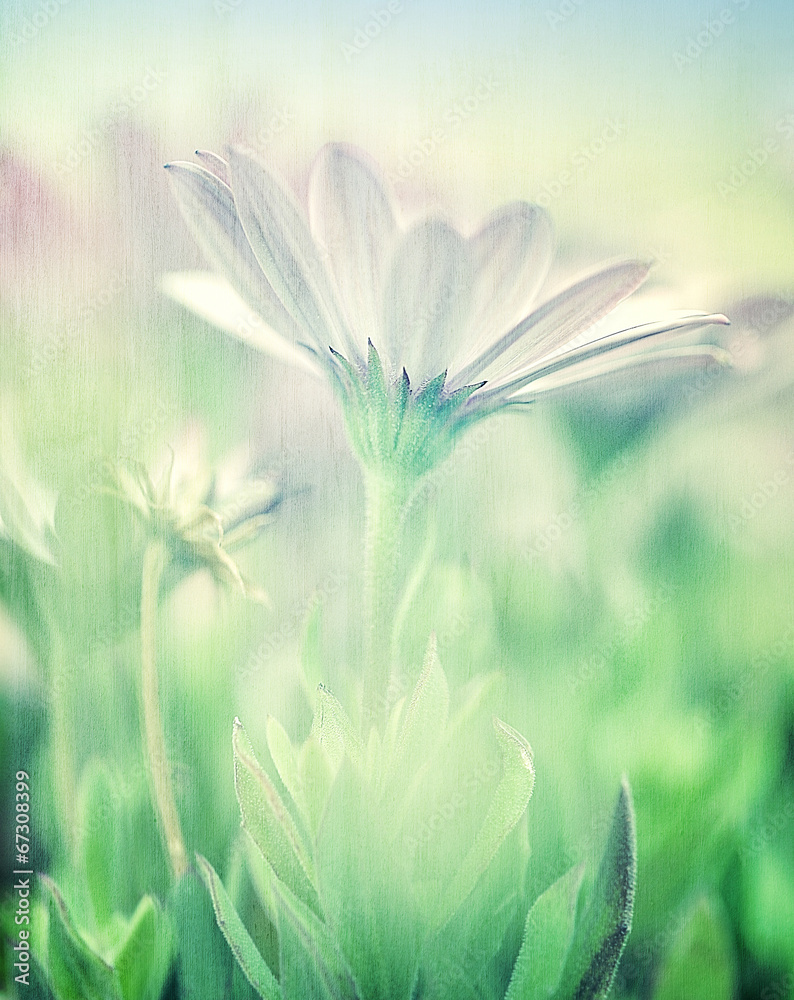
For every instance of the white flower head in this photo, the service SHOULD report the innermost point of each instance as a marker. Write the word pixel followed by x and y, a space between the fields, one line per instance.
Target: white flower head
pixel 423 329
pixel 201 514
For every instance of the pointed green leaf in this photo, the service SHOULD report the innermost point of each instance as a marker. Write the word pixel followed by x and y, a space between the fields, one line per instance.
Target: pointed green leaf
pixel 310 961
pixel 365 887
pixel 317 775
pixel 251 962
pixel 206 967
pixel 268 821
pixel 285 759
pixel 143 960
pixel 548 933
pixel 426 716
pixel 99 829
pixel 506 809
pixel 75 970
pixel 334 730
pixel 701 962
pixel 601 933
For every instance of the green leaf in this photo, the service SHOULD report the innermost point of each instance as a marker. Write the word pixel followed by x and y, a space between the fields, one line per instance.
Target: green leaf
pixel 334 731
pixel 506 809
pixel 365 888
pixel 285 759
pixel 426 715
pixel 144 959
pixel 268 821
pixel 701 961
pixel 99 833
pixel 601 933
pixel 317 776
pixel 548 933
pixel 245 951
pixel 75 970
pixel 206 968
pixel 310 961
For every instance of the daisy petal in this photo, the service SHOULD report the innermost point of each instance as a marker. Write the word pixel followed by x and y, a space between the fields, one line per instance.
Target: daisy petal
pixel 556 323
pixel 604 345
pixel 511 255
pixel 353 222
pixel 426 298
pixel 215 164
pixel 214 300
pixel 282 243
pixel 209 210
pixel 658 364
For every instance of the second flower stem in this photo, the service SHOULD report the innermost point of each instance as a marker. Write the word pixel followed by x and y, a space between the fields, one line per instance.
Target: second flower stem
pixel 154 562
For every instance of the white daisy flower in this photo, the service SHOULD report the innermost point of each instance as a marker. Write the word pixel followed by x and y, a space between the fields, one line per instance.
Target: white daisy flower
pixel 422 329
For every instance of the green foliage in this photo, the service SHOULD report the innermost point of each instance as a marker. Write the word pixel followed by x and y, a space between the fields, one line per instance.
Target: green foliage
pixel 380 916
pixel 700 961
pixel 133 964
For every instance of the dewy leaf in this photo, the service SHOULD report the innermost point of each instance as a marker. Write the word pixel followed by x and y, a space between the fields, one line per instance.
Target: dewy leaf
pixel 75 970
pixel 269 823
pixel 206 967
pixel 506 809
pixel 143 961
pixel 99 848
pixel 548 933
pixel 701 961
pixel 317 776
pixel 426 715
pixel 334 730
pixel 601 933
pixel 310 961
pixel 245 951
pixel 285 759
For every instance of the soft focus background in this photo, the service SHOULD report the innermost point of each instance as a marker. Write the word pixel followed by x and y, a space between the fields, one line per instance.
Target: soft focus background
pixel 625 558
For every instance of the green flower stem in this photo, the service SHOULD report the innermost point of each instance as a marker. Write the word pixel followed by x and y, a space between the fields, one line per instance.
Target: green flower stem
pixel 154 562
pixel 62 739
pixel 388 501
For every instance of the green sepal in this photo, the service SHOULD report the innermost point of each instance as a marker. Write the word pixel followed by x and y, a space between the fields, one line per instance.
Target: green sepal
pixel 381 420
pixel 254 967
